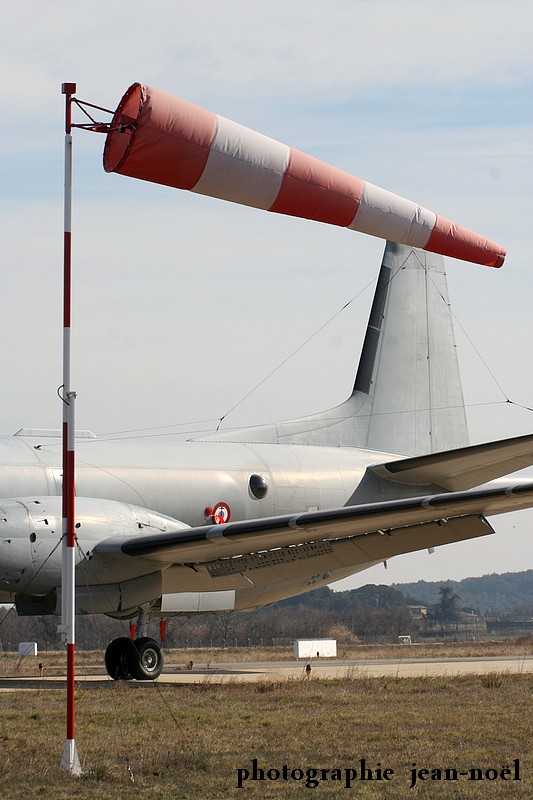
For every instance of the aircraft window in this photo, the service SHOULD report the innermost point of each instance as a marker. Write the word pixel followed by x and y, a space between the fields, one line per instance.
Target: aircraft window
pixel 258 486
pixel 33 537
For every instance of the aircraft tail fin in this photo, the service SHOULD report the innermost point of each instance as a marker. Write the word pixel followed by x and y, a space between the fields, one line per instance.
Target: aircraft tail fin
pixel 407 396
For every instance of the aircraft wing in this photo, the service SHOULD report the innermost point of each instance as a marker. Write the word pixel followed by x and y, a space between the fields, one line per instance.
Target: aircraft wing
pixel 463 468
pixel 379 530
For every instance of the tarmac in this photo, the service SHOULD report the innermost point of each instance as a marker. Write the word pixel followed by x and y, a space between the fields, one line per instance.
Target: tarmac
pixel 322 669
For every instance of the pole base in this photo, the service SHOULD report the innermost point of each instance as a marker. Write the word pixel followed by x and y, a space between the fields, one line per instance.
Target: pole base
pixel 70 760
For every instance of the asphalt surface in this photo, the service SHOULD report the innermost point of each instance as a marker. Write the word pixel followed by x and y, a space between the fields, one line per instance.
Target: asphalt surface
pixel 256 671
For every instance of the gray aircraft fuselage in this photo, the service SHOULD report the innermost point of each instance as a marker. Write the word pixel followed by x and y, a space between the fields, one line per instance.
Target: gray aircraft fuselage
pixel 182 479
pixel 308 501
pixel 153 480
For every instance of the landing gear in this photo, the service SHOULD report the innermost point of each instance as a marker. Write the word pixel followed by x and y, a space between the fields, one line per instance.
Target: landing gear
pixel 147 660
pixel 141 659
pixel 117 658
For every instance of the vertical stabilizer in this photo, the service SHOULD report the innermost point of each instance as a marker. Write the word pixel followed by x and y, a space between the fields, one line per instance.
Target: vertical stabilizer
pixel 407 396
pixel 408 371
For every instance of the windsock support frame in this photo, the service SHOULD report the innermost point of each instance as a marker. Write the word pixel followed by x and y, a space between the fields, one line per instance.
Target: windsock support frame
pixel 69 760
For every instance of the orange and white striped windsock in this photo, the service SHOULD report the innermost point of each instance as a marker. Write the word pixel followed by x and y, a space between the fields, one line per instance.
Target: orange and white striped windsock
pixel 159 138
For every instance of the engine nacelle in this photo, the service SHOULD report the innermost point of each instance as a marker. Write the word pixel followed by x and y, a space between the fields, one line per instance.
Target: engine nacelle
pixel 30 555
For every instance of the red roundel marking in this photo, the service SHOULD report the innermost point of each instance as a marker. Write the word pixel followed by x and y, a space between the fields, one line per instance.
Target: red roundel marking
pixel 221 513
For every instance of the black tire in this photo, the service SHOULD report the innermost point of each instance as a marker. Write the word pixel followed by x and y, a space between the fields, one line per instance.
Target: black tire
pixel 118 657
pixel 145 659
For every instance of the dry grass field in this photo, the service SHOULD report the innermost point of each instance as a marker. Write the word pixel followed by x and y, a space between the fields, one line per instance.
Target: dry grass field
pixel 187 742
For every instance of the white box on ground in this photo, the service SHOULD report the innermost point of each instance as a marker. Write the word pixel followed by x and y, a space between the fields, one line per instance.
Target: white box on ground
pixel 27 649
pixel 315 648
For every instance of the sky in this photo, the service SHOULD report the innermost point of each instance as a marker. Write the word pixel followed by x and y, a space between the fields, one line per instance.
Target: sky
pixel 184 307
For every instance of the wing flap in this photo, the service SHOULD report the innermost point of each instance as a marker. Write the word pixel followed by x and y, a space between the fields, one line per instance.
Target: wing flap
pixel 208 543
pixel 356 552
pixel 463 468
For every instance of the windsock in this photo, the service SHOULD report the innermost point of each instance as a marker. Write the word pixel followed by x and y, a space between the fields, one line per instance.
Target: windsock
pixel 159 138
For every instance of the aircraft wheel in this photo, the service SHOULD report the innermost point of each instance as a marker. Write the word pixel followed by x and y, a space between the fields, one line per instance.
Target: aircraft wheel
pixel 145 660
pixel 117 658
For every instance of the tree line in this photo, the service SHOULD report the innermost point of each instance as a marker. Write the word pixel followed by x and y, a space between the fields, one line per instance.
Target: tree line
pixel 493 594
pixel 369 614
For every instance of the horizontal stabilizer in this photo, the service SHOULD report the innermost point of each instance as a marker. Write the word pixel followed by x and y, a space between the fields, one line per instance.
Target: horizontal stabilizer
pixel 463 468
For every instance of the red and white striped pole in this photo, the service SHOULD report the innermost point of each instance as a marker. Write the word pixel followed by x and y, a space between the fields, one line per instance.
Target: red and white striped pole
pixel 69 759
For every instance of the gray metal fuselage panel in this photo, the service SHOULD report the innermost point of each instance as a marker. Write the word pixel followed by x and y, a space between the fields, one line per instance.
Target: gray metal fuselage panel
pixel 182 479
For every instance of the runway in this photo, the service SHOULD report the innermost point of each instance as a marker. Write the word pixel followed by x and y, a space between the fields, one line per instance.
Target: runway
pixel 321 669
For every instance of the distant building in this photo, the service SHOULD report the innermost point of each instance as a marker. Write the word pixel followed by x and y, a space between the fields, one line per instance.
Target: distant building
pixel 418 612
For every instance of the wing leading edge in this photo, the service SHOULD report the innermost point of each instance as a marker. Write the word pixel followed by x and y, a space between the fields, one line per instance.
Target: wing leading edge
pixel 380 530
